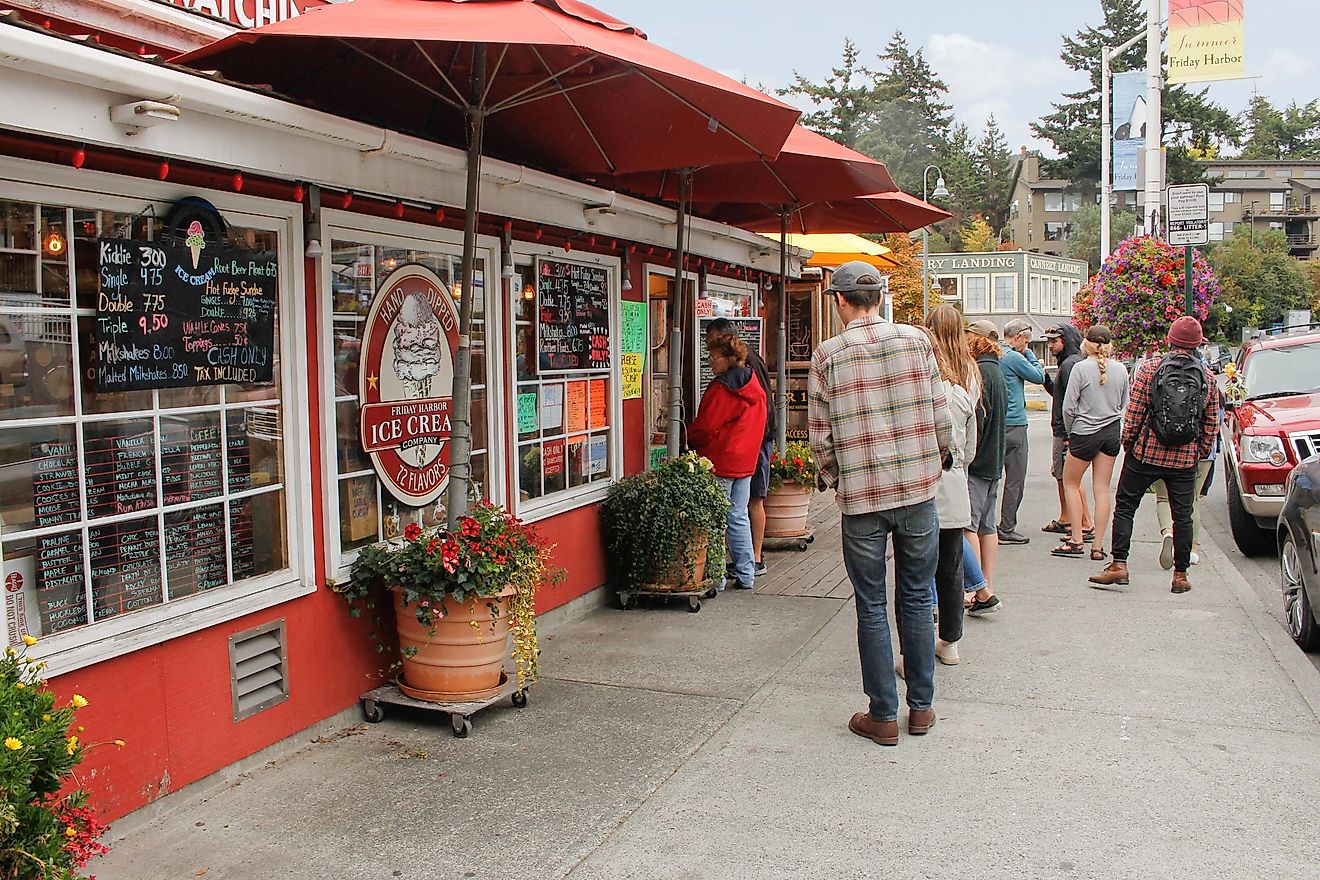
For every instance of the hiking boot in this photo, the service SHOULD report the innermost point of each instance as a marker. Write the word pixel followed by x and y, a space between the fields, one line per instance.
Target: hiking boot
pixel 1013 538
pixel 1113 574
pixel 883 732
pixel 1180 582
pixel 920 721
pixel 982 607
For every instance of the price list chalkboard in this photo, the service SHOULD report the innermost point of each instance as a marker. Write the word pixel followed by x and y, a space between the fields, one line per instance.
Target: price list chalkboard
pixel 55 484
pixel 61 588
pixel 125 567
pixel 190 464
pixel 242 552
pixel 195 550
pixel 121 468
pixel 573 316
pixel 175 314
pixel 749 331
pixel 240 454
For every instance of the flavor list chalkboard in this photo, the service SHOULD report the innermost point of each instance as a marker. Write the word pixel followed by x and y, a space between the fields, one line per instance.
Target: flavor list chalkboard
pixel 195 550
pixel 240 456
pixel 125 567
pixel 61 596
pixel 573 316
pixel 55 484
pixel 121 468
pixel 173 314
pixel 749 331
pixel 190 464
pixel 242 553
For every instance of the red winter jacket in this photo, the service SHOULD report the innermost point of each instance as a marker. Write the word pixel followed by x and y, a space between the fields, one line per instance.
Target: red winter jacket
pixel 730 423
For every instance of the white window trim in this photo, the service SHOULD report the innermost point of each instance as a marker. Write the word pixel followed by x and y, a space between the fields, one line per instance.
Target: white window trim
pixel 989 293
pixel 345 225
pixel 1040 283
pixel 995 278
pixel 97 642
pixel 537 509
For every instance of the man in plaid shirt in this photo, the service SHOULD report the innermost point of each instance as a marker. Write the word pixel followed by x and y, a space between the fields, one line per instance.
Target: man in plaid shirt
pixel 880 432
pixel 1149 461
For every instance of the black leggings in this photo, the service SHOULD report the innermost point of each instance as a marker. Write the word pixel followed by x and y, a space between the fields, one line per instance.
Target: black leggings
pixel 948 587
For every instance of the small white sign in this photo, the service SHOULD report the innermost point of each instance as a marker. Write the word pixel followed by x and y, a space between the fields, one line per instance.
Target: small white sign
pixel 1189 214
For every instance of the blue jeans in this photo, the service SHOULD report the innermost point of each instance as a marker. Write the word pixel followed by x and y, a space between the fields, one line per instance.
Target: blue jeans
pixel 739 535
pixel 973 577
pixel 916 535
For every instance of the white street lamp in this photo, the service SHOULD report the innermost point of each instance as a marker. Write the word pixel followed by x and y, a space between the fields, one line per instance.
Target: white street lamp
pixel 941 192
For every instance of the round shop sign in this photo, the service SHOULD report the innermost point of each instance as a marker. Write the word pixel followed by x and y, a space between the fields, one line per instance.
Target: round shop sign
pixel 407 381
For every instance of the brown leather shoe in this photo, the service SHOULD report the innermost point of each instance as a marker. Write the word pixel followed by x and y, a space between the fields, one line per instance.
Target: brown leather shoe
pixel 1180 582
pixel 883 732
pixel 920 721
pixel 1115 573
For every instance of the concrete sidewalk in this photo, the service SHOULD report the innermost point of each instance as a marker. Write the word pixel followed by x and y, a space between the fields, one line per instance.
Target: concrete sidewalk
pixel 1086 734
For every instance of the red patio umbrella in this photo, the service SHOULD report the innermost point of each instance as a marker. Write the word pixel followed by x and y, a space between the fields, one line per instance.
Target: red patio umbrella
pixel 556 83
pixel 875 214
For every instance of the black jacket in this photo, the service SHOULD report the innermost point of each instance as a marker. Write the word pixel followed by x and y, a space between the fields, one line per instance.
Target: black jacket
pixel 1057 387
pixel 757 363
pixel 990 411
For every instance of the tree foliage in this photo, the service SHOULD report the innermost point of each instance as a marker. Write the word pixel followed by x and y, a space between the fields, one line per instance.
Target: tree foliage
pixel 848 98
pixel 1260 281
pixel 1292 133
pixel 905 281
pixel 977 236
pixel 1084 241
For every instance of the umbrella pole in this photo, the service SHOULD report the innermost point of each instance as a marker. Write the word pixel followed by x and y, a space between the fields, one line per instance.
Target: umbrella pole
pixel 460 440
pixel 781 367
pixel 680 316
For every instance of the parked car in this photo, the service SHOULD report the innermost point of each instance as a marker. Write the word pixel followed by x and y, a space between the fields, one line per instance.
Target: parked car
pixel 1299 554
pixel 1267 434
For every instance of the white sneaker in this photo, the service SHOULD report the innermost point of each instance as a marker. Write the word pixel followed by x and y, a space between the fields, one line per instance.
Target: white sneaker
pixel 1196 557
pixel 947 652
pixel 1166 553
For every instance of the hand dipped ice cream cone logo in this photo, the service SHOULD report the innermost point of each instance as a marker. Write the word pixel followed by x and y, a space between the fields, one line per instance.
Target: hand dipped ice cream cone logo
pixel 406 380
pixel 195 242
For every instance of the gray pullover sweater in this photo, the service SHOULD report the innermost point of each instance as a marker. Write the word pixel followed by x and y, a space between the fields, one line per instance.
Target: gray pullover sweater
pixel 1089 406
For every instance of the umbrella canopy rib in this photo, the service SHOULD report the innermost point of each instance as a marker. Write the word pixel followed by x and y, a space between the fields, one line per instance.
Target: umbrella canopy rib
pixel 604 155
pixel 412 79
pixel 426 56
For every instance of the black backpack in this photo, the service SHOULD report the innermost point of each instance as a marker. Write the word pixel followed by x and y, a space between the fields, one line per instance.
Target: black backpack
pixel 1179 392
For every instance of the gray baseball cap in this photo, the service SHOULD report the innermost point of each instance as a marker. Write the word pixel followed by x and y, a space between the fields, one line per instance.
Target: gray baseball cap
pixel 1018 326
pixel 856 275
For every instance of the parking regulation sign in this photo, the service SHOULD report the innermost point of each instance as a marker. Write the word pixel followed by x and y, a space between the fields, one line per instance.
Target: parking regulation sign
pixel 1189 214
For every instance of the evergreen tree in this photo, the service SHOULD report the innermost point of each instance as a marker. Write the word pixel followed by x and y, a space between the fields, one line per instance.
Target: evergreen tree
pixel 977 236
pixel 995 164
pixel 908 78
pixel 1084 240
pixel 849 99
pixel 1292 133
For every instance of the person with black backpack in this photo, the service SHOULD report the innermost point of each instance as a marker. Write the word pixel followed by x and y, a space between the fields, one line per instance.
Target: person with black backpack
pixel 1172 416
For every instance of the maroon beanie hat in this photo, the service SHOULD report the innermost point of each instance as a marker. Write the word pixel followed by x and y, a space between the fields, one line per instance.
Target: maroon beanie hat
pixel 1186 333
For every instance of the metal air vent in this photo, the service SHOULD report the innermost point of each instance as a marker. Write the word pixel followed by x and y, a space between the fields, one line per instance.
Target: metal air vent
pixel 258 669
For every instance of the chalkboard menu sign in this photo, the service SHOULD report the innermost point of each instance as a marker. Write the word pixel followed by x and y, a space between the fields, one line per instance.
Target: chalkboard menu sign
pixel 190 462
pixel 573 316
pixel 61 596
pixel 125 566
pixel 55 483
pixel 174 314
pixel 121 468
pixel 195 550
pixel 749 331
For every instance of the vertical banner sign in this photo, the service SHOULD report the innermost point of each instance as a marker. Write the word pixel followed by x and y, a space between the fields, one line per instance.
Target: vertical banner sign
pixel 1205 41
pixel 1129 110
pixel 633 349
pixel 407 382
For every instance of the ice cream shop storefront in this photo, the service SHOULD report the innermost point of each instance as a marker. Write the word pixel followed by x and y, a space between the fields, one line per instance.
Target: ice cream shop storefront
pixel 179 484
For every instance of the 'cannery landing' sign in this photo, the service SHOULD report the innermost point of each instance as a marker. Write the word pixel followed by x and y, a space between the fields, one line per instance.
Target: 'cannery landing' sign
pixel 178 313
pixel 407 381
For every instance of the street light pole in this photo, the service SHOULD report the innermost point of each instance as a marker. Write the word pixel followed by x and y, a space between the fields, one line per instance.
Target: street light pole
pixel 941 192
pixel 1154 116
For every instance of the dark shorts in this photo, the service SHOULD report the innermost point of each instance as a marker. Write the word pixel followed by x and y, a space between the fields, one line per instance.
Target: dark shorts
pixel 1058 452
pixel 761 476
pixel 1108 440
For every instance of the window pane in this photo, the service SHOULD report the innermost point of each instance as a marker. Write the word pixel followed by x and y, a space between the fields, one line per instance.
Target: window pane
pixel 92 402
pixel 256 447
pixel 121 467
pixel 51 587
pixel 195 550
pixel 1053 201
pixel 36 366
pixel 359 514
pixel 39 483
pixel 350 456
pixel 530 458
pixel 125 567
pixel 257 534
pixel 191 453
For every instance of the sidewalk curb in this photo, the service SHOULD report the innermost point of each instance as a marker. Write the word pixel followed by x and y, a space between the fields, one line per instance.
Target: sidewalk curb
pixel 1304 676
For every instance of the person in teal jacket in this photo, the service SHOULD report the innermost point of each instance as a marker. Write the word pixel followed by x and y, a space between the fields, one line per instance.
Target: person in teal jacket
pixel 1019 365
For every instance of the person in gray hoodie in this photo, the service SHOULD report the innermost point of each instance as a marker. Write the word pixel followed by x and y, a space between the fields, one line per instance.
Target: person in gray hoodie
pixel 1065 343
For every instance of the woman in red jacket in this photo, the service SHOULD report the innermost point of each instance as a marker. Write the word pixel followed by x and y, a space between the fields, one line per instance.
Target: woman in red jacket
pixel 728 430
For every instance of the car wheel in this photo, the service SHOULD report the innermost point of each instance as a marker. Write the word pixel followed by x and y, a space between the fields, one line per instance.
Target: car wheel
pixel 1298 616
pixel 1250 538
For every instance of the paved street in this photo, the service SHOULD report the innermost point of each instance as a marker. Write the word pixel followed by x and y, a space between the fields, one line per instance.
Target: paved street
pixel 1086 734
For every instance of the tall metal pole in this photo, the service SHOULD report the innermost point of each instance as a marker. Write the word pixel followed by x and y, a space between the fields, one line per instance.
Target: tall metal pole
pixel 925 255
pixel 460 440
pixel 1187 280
pixel 1154 116
pixel 1106 153
pixel 781 361
pixel 681 314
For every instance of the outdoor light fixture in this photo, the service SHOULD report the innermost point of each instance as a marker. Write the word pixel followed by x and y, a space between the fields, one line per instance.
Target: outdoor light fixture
pixel 314 249
pixel 312 231
pixel 941 192
pixel 627 278
pixel 137 115
pixel 54 244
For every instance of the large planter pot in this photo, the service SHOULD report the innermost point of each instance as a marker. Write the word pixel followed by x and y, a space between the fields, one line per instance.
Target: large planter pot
pixel 786 511
pixel 460 657
pixel 681 577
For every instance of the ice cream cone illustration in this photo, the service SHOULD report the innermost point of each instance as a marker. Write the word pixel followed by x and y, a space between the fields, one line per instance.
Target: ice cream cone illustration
pixel 418 338
pixel 195 241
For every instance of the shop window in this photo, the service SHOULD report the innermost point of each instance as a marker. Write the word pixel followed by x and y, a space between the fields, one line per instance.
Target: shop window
pixel 1033 303
pixel 1058 231
pixel 1054 201
pixel 359 265
pixel 114 502
pixel 565 407
pixel 976 297
pixel 1005 293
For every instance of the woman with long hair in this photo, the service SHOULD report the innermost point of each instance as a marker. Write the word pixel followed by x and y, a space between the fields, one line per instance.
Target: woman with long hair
pixel 952 503
pixel 1093 416
pixel 985 473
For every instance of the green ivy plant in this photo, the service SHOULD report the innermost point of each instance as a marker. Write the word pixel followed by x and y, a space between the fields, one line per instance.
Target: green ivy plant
pixel 655 520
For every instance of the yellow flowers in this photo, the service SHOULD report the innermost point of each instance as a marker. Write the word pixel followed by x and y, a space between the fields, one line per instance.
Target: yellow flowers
pixel 70 832
pixel 120 743
pixel 29 641
pixel 45 719
pixel 13 743
pixel 72 745
pixel 78 702
pixel 19 685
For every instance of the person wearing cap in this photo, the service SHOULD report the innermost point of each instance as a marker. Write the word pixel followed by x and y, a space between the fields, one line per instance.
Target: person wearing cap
pixel 1093 414
pixel 986 470
pixel 1065 344
pixel 1019 366
pixel 1149 460
pixel 881 433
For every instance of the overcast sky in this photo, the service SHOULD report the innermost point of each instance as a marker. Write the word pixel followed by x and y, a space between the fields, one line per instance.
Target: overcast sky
pixel 1000 58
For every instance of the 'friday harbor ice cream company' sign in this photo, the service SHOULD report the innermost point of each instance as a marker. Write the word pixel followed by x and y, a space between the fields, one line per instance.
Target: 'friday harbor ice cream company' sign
pixel 407 380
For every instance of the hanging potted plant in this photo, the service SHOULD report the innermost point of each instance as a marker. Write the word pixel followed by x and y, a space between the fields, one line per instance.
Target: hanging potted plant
pixel 665 528
pixel 792 483
pixel 459 598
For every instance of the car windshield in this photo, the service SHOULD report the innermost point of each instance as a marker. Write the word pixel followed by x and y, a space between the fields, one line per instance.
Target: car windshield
pixel 1276 371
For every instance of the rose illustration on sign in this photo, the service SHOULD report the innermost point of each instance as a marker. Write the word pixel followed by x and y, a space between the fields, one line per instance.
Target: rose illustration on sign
pixel 407 376
pixel 196 241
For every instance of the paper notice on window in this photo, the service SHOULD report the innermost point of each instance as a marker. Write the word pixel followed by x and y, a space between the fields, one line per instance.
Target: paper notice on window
pixel 599 404
pixel 527 413
pixel 552 459
pixel 599 455
pixel 552 406
pixel 634 327
pixel 631 375
pixel 575 407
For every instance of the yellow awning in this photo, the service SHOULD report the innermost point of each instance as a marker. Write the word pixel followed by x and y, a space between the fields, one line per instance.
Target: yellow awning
pixel 830 250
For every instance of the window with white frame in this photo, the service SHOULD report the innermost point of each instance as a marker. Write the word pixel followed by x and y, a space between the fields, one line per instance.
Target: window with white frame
pixel 112 504
pixel 1216 201
pixel 1033 286
pixel 976 293
pixel 1232 198
pixel 1216 231
pixel 1005 293
pixel 359 262
pixel 1054 201
pixel 1277 201
pixel 1053 286
pixel 1058 231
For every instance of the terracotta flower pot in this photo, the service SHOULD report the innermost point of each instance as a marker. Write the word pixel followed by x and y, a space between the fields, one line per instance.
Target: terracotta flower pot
pixel 682 577
pixel 786 511
pixel 461 656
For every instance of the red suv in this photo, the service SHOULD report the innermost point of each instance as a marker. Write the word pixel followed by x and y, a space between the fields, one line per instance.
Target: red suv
pixel 1270 432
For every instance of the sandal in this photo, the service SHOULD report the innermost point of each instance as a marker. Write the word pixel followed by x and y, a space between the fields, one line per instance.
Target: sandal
pixel 1098 554
pixel 1057 528
pixel 1069 548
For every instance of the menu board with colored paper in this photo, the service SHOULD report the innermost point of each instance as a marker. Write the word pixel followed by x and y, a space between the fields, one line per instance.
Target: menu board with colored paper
pixel 121 467
pixel 175 314
pixel 125 566
pixel 632 346
pixel 55 483
pixel 598 405
pixel 573 316
pixel 575 407
pixel 749 330
pixel 61 591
